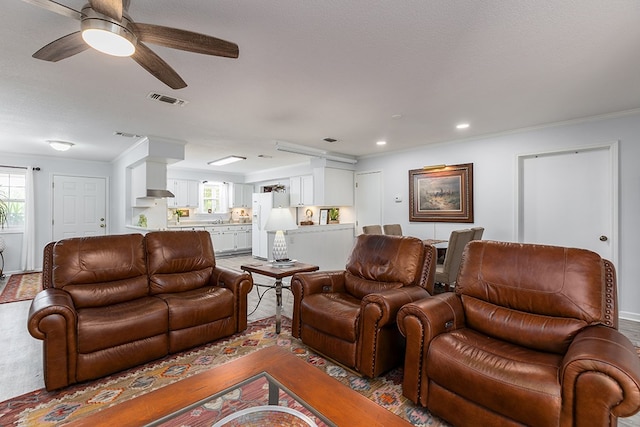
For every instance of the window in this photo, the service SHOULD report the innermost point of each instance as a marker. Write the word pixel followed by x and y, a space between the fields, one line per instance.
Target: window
pixel 12 194
pixel 213 197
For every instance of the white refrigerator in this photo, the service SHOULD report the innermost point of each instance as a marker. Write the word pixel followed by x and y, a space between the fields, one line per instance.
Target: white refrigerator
pixel 260 209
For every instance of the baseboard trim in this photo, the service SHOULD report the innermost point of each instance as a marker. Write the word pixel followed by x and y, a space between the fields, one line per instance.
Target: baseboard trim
pixel 627 315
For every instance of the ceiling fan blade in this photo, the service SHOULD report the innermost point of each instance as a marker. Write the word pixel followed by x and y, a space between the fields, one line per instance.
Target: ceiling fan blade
pixel 56 7
pixel 184 40
pixel 64 47
pixel 111 8
pixel 157 67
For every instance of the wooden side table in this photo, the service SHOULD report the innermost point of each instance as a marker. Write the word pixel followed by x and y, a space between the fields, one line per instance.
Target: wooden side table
pixel 267 269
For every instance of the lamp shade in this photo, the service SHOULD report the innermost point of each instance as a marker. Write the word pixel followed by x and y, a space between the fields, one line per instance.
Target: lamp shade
pixel 280 219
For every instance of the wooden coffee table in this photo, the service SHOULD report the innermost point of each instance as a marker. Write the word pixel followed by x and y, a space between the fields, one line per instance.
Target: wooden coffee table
pixel 333 400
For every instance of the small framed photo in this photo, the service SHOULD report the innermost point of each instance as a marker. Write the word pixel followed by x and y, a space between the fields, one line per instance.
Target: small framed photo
pixel 324 216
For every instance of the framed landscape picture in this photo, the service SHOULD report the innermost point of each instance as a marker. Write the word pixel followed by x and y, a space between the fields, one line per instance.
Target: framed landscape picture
pixel 444 194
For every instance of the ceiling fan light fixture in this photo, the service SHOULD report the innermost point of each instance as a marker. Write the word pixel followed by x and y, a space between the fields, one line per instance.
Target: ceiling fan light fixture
pixel 106 35
pixel 108 42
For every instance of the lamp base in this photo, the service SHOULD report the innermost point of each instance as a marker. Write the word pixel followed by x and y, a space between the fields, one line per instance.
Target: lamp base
pixel 280 247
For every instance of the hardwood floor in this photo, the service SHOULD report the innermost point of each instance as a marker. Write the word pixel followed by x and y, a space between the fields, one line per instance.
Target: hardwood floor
pixel 21 359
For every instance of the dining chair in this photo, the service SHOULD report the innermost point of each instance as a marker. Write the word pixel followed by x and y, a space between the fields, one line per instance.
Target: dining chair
pixel 447 272
pixel 392 229
pixel 477 233
pixel 372 229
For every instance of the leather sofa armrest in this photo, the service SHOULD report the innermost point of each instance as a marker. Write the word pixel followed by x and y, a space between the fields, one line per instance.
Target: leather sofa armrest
pixel 382 307
pixel 53 319
pixel 240 283
pixel 315 282
pixel 605 359
pixel 420 322
pixel 51 302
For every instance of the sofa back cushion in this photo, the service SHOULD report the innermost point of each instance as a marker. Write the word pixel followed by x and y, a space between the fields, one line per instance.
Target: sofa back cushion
pixel 533 295
pixel 179 261
pixel 100 270
pixel 380 262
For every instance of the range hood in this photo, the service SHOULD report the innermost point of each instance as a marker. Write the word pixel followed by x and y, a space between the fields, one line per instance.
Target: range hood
pixel 149 180
pixel 158 194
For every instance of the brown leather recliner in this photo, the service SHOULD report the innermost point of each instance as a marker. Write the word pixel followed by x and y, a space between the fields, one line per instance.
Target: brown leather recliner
pixel 350 315
pixel 114 302
pixel 528 338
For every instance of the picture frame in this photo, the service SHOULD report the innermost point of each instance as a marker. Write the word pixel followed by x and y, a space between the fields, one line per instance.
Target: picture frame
pixel 441 194
pixel 324 217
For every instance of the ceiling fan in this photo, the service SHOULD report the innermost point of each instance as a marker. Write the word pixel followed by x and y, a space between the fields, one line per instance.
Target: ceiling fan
pixel 108 19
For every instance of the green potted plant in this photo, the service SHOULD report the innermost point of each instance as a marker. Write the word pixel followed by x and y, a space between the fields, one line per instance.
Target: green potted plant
pixel 4 214
pixel 334 215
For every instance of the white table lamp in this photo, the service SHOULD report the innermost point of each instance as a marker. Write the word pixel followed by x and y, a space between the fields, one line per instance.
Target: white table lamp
pixel 279 220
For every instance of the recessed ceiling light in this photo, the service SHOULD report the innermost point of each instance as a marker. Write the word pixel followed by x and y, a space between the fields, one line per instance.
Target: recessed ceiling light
pixel 396 116
pixel 381 143
pixel 462 125
pixel 60 145
pixel 226 160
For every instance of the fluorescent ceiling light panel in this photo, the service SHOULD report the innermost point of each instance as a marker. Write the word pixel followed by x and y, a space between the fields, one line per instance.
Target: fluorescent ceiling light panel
pixel 226 160
pixel 312 152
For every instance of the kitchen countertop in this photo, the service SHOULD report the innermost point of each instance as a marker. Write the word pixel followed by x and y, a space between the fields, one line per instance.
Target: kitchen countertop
pixel 183 224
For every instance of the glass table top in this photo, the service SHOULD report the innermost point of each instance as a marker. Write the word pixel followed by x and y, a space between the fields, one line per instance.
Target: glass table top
pixel 257 401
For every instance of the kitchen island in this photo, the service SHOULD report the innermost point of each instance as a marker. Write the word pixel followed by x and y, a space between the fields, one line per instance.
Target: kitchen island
pixel 327 246
pixel 227 237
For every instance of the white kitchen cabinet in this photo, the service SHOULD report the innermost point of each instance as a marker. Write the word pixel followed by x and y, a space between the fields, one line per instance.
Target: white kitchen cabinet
pixel 186 193
pixel 240 195
pixel 230 238
pixel 301 192
pixel 333 187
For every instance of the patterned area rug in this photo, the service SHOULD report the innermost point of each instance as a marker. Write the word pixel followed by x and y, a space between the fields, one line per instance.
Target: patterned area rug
pixel 21 287
pixel 42 408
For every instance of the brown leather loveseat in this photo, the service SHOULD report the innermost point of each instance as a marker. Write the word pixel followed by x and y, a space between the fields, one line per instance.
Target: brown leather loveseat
pixel 113 302
pixel 529 337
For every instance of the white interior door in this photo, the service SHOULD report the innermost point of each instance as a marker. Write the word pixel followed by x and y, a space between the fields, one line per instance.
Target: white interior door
pixel 368 199
pixel 79 206
pixel 570 199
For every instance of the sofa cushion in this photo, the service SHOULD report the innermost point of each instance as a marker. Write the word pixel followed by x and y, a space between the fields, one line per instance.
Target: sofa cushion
pixel 359 287
pixel 563 286
pixel 333 313
pixel 387 259
pixel 198 306
pixel 179 261
pixel 103 327
pixel 504 378
pixel 101 270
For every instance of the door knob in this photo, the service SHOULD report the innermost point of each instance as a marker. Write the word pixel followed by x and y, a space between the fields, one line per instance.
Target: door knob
pixel 603 238
pixel 101 219
pixel 102 226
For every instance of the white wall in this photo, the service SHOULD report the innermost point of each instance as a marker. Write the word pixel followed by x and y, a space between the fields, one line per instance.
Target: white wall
pixel 494 160
pixel 494 170
pixel 43 179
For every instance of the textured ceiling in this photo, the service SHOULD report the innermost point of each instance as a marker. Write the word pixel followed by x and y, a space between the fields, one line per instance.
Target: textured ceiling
pixel 314 69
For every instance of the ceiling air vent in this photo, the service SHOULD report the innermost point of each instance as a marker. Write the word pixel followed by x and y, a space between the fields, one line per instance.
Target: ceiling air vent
pixel 166 99
pixel 127 135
